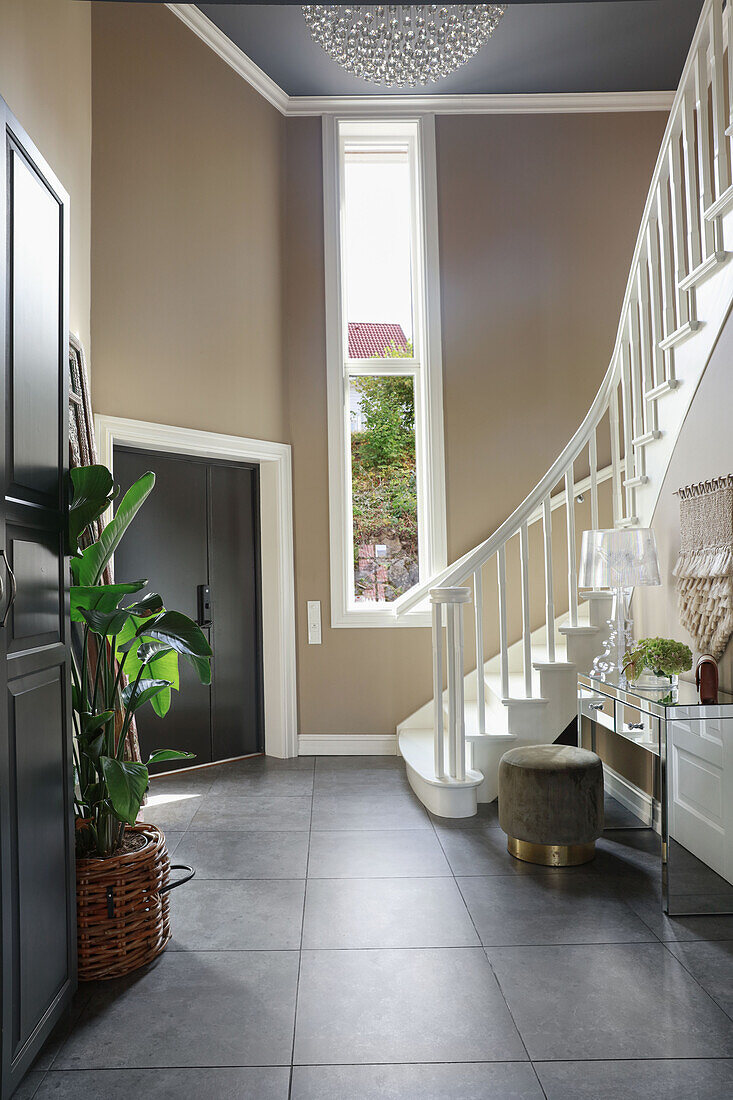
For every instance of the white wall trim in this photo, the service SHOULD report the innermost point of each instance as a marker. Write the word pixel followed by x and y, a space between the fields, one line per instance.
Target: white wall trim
pixel 383 105
pixel 276 544
pixel 634 799
pixel 355 744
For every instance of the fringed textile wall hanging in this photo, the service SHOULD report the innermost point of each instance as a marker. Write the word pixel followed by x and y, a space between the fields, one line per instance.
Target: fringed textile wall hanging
pixel 704 569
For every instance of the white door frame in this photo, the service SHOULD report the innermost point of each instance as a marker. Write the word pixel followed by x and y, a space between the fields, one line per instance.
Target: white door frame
pixel 276 549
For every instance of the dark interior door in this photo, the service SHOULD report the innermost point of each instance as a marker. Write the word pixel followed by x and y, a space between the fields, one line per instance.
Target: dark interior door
pixel 36 771
pixel 199 528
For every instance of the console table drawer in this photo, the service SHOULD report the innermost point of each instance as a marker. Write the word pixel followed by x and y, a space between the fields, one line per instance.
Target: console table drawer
pixel 599 709
pixel 635 725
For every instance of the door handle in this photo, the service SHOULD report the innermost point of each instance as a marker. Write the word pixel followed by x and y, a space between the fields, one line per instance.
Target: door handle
pixel 13 587
pixel 203 605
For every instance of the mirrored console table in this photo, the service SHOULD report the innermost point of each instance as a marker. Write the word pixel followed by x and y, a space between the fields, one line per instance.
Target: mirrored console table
pixel 690 747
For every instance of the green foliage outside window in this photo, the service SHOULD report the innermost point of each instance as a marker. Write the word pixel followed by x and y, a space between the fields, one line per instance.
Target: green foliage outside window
pixel 384 485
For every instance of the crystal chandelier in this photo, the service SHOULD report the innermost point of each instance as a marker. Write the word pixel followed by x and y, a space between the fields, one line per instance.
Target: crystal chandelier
pixel 398 45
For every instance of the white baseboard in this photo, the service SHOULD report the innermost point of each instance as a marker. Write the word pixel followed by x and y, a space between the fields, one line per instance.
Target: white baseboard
pixel 636 801
pixel 355 744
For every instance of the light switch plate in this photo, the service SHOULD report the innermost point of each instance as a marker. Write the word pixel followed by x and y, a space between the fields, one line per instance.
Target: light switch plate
pixel 314 622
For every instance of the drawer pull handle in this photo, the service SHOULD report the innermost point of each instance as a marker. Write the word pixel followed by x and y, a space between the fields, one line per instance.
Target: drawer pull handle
pixel 635 725
pixel 596 706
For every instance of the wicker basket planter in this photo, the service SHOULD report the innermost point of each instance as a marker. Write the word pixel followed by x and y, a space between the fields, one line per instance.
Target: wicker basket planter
pixel 122 907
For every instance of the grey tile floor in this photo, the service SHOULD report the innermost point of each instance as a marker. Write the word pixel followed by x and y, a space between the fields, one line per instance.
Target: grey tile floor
pixel 339 942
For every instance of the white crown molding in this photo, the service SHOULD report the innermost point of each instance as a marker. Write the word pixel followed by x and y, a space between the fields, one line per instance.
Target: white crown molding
pixel 540 103
pixel 235 58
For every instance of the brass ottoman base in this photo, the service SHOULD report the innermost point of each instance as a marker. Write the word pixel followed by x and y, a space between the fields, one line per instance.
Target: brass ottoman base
pixel 551 855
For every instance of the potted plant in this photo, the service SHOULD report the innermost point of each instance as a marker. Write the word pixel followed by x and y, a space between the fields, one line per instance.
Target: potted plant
pixel 122 867
pixel 657 662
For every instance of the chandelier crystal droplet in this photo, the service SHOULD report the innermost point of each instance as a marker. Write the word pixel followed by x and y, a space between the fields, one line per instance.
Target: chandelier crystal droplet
pixel 402 45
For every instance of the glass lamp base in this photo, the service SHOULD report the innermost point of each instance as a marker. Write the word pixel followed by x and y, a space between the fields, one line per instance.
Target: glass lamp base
pixel 609 663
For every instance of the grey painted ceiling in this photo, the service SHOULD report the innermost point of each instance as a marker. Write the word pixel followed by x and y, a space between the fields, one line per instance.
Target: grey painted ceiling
pixel 597 46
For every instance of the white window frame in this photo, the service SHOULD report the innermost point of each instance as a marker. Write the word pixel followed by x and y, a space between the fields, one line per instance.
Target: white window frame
pixel 426 367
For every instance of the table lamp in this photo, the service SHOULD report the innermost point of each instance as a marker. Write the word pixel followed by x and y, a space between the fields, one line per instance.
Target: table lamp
pixel 618 559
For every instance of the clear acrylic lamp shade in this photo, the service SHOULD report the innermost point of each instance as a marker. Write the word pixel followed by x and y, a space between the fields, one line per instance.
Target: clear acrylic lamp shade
pixel 619 558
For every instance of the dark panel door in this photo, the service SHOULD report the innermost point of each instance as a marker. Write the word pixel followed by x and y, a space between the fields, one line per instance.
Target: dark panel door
pixel 199 527
pixel 36 773
pixel 167 545
pixel 234 559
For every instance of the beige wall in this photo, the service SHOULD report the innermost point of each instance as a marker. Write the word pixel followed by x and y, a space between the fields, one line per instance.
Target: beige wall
pixel 538 219
pixel 186 257
pixel 45 78
pixel 704 449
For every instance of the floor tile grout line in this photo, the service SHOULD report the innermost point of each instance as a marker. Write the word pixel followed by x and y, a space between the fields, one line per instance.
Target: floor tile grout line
pixel 488 960
pixel 302 928
pixel 694 976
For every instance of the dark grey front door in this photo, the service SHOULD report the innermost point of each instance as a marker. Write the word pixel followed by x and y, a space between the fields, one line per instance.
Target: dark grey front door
pixel 199 528
pixel 36 771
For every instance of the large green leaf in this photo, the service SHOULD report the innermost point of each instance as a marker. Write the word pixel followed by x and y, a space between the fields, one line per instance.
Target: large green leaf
pixel 150 604
pixel 92 722
pixel 202 666
pixel 126 782
pixel 141 691
pixel 160 755
pixel 161 661
pixel 100 597
pixel 179 632
pixel 92 493
pixel 105 623
pixel 88 569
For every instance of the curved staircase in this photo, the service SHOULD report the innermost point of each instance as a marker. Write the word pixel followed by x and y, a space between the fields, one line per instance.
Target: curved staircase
pixel 678 296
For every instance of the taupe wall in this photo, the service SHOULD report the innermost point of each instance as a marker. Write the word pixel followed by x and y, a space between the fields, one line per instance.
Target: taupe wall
pixel 704 449
pixel 45 78
pixel 538 219
pixel 186 256
pixel 208 305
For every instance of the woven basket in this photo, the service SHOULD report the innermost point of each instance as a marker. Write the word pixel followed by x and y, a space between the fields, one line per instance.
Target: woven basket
pixel 122 908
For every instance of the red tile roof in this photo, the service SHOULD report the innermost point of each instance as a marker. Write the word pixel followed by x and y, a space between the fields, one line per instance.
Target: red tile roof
pixel 369 339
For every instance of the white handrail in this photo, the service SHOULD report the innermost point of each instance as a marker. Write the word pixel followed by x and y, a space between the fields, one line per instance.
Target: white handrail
pixel 667 167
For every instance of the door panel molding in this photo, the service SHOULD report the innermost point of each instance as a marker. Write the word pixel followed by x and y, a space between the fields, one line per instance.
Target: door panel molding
pixel 276 547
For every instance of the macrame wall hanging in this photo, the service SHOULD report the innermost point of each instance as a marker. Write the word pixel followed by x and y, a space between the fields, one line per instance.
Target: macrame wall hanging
pixel 704 569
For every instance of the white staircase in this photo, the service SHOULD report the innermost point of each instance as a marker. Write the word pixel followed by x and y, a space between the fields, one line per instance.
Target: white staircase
pixel 678 296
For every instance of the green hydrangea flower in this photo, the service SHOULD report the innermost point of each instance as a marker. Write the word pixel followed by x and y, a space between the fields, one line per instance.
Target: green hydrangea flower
pixel 663 656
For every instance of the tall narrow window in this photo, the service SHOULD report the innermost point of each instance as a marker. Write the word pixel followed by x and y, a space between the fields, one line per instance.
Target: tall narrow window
pixel 385 407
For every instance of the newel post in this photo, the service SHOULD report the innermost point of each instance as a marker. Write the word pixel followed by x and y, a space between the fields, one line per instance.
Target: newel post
pixel 451 599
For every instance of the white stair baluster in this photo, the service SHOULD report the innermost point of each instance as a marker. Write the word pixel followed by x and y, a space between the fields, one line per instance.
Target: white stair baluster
pixel 708 229
pixel 459 728
pixel 655 312
pixel 450 630
pixel 572 563
pixel 593 463
pixel 627 429
pixel 637 388
pixel 667 277
pixel 526 630
pixel 721 165
pixel 438 690
pixel 692 187
pixel 478 608
pixel 616 477
pixel 686 305
pixel 549 593
pixel 503 647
